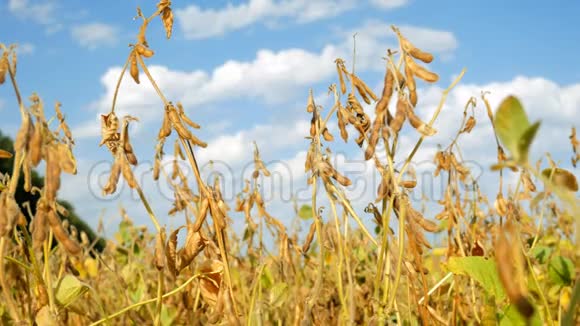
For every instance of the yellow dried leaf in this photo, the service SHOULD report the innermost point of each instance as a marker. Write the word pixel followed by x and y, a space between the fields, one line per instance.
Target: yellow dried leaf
pixel 167 18
pixel 211 280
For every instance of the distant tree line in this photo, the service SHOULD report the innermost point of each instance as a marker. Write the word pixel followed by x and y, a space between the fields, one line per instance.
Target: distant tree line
pixel 22 196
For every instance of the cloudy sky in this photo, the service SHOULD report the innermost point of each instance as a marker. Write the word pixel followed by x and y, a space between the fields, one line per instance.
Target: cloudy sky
pixel 242 69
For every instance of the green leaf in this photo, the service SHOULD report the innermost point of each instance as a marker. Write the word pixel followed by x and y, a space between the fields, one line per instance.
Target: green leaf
pixel 561 270
pixel 512 317
pixel 483 270
pixel 562 178
pixel 541 253
pixel 305 212
pixel 279 294
pixel 266 279
pixel 168 315
pixel 69 289
pixel 526 141
pixel 137 291
pixel 513 128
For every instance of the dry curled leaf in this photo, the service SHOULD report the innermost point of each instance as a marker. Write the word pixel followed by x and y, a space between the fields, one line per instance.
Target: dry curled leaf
pixel 210 281
pixel 166 16
pixel 469 125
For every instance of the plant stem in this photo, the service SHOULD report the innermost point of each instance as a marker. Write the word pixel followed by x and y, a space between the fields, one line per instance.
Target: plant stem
pixel 402 217
pixel 139 304
pixel 435 115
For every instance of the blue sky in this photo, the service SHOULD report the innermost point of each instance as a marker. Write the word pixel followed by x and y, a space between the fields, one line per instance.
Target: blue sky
pixel 243 70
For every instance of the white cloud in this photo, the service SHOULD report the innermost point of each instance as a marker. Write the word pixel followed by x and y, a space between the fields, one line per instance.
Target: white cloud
pixel 388 4
pixel 373 38
pixel 94 35
pixel 556 105
pixel 237 149
pixel 198 23
pixel 40 12
pixel 26 48
pixel 275 77
pixel 272 76
pixel 543 99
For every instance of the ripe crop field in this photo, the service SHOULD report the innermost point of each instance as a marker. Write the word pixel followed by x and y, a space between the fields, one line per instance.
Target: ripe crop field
pixel 509 259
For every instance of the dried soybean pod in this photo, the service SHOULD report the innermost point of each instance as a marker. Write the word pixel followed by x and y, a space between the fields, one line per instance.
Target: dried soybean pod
pixel 156 168
pixel 165 129
pixel 409 184
pixel 177 125
pixel 341 178
pixel 342 124
pixel 416 122
pixel 327 135
pixel 52 176
pixel 60 234
pixel 111 185
pixel 341 78
pixel 35 150
pixel 421 55
pixel 185 118
pixel 158 257
pixel 374 138
pixel 4 66
pixel 420 71
pixel 142 50
pixel 397 123
pixel 426 224
pixel 358 84
pixel 410 80
pixel 313 126
pixel 413 98
pixel 125 137
pixel 197 141
pixel 309 238
pixel 204 205
pixel 369 91
pixel 310 106
pixel 126 142
pixel 414 51
pixel 355 104
pixel 128 174
pixel 134 69
pixel 383 103
pixel 39 225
